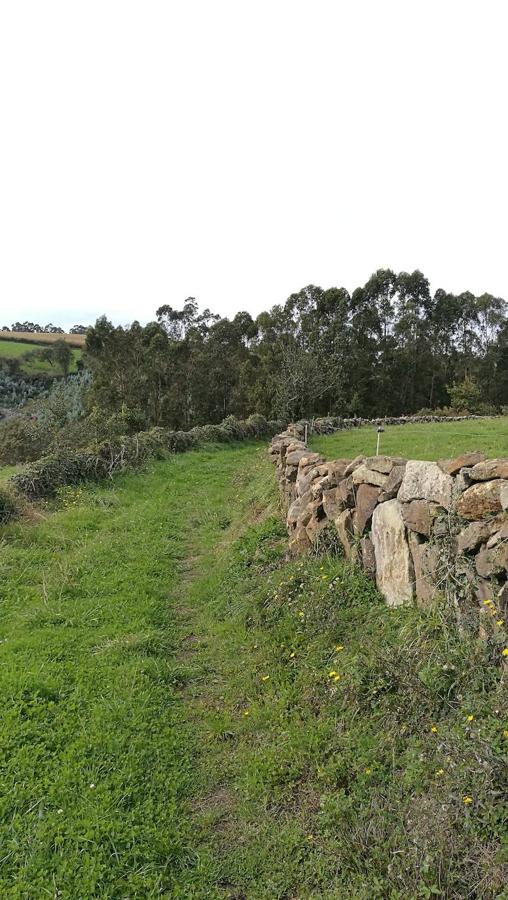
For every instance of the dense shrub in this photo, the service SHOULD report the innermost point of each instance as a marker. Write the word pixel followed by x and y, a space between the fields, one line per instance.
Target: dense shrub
pixel 8 505
pixel 16 390
pixel 100 460
pixel 23 439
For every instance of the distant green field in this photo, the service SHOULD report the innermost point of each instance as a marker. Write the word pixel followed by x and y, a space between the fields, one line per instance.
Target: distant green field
pixel 440 440
pixel 14 349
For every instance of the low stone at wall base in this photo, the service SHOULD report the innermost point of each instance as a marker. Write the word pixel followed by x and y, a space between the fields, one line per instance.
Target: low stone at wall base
pixel 422 530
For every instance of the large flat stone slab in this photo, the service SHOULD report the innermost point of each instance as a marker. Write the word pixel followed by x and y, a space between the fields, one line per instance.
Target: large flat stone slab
pixel 394 568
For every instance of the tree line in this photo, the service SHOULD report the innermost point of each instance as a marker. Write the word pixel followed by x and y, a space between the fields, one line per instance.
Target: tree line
pixel 34 328
pixel 390 347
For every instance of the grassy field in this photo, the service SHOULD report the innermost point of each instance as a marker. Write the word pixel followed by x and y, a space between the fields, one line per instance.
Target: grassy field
pixel 188 715
pixel 29 337
pixel 437 441
pixel 15 349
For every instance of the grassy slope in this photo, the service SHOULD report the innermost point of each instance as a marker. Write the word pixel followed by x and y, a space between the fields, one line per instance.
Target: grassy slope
pixel 14 349
pixel 440 441
pixel 158 647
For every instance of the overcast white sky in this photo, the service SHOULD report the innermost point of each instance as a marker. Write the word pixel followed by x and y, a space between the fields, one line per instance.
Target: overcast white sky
pixel 236 151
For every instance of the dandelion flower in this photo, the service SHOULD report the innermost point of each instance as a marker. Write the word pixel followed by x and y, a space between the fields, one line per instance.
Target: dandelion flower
pixel 468 800
pixel 487 602
pixel 332 673
pixel 470 718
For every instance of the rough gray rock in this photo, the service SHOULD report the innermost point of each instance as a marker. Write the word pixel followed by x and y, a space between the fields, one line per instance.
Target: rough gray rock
pixel 384 464
pixel 368 557
pixel 425 481
pixel 426 562
pixel 491 468
pixel 332 504
pixel 357 461
pixel 470 538
pixel 492 562
pixel 418 516
pixel 363 475
pixel 344 526
pixel 394 568
pixel 392 484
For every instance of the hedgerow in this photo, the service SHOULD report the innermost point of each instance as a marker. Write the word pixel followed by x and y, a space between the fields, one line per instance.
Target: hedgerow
pixel 8 505
pixel 44 477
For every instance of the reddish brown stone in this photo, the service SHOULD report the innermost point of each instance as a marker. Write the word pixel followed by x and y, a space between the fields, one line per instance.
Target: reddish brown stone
pixel 480 500
pixel 453 466
pixel 366 501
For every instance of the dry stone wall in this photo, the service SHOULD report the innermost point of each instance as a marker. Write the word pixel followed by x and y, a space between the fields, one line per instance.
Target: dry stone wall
pixel 330 424
pixel 422 530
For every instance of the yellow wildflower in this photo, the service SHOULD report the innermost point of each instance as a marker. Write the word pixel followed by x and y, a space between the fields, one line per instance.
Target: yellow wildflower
pixel 301 614
pixel 292 655
pixel 247 712
pixel 505 733
pixel 468 800
pixel 500 622
pixel 337 677
pixel 332 673
pixel 470 718
pixel 265 677
pixel 368 771
pixel 440 772
pixel 339 647
pixel 505 651
pixel 487 602
pixel 434 729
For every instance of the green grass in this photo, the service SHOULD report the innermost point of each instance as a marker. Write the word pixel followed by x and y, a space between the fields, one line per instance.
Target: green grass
pixel 8 471
pixel 15 349
pixel 442 440
pixel 169 726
